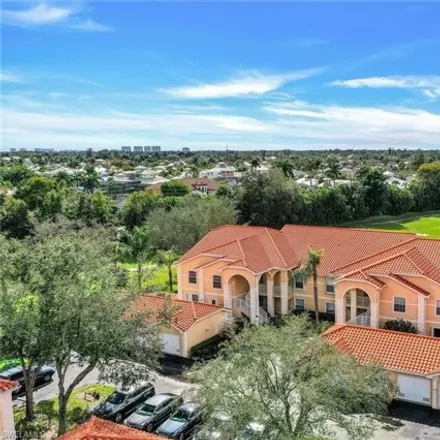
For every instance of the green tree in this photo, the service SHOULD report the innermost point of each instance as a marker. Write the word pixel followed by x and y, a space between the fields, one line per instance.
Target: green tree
pixel 15 174
pixel 376 189
pixel 168 258
pixel 294 383
pixel 310 270
pixel 14 218
pixel 325 206
pixel 312 165
pixel 60 304
pixel 268 199
pixel 90 179
pixel 400 201
pixel 137 207
pixel 139 249
pixel 174 188
pixel 225 191
pixel 182 226
pixel 90 208
pixel 333 170
pixel 35 189
pixel 286 167
pixel 429 186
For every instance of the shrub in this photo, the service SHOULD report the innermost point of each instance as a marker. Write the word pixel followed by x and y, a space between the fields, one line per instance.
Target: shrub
pixel 400 325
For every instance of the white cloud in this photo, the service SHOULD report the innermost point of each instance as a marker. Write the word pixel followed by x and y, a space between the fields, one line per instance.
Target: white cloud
pixel 252 84
pixel 10 77
pixel 90 25
pixel 365 125
pixel 429 85
pixel 39 15
pixel 44 14
pixel 401 82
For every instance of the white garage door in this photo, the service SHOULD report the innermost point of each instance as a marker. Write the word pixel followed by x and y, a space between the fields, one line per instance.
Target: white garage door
pixel 170 343
pixel 414 389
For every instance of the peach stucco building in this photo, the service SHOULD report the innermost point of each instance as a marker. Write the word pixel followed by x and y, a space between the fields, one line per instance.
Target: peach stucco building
pixel 365 277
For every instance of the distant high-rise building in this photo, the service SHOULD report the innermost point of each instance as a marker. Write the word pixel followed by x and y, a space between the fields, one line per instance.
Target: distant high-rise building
pixel 137 149
pixel 147 149
pixel 22 149
pixel 126 149
pixel 13 150
pixel 155 148
pixel 185 150
pixel 44 150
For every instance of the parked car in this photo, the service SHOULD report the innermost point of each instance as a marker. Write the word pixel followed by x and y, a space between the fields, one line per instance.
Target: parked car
pixel 44 375
pixel 252 431
pixel 183 423
pixel 123 402
pixel 154 411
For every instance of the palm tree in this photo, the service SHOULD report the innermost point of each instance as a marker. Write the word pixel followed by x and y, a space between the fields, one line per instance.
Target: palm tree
pixel 310 269
pixel 138 248
pixel 333 170
pixel 90 180
pixel 63 179
pixel 168 258
pixel 286 167
pixel 255 163
pixel 311 167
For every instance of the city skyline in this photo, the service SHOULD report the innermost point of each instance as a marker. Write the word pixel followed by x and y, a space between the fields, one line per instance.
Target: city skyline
pixel 207 75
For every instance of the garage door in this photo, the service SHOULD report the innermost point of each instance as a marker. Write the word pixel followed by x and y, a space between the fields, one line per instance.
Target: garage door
pixel 170 343
pixel 414 389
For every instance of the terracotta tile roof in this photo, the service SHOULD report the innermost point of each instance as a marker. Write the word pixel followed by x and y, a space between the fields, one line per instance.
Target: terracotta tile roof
pixel 187 312
pixel 7 385
pixel 345 250
pixel 407 352
pixel 341 246
pixel 99 429
pixel 256 248
pixel 410 285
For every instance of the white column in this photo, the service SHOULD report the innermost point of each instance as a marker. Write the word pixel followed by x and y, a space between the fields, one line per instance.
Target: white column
pixel 179 282
pixel 227 296
pixel 374 318
pixel 339 310
pixel 353 304
pixel 284 293
pixel 435 392
pixel 270 305
pixel 253 299
pixel 201 286
pixel 7 424
pixel 421 314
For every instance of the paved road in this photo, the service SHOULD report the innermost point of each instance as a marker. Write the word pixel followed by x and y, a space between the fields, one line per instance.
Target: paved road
pixel 163 384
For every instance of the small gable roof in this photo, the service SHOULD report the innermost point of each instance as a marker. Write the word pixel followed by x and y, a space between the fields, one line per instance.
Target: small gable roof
pixel 187 313
pixel 406 352
pixel 99 429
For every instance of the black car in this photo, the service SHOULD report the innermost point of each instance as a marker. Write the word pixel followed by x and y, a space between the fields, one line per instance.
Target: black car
pixel 44 375
pixel 154 411
pixel 183 423
pixel 122 402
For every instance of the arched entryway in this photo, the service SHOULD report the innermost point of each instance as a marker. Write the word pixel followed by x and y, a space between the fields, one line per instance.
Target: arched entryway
pixel 262 291
pixel 357 307
pixel 239 291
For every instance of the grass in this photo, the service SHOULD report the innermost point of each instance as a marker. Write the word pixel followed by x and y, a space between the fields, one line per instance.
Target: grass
pixel 46 412
pixel 155 277
pixel 426 223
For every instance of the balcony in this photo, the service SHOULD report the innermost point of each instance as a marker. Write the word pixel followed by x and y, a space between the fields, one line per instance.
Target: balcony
pixel 262 289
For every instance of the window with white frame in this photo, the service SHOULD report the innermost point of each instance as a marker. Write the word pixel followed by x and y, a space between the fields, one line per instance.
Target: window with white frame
pixel 192 277
pixel 217 281
pixel 329 286
pixel 299 282
pixel 195 298
pixel 437 307
pixel 330 308
pixel 300 304
pixel 399 304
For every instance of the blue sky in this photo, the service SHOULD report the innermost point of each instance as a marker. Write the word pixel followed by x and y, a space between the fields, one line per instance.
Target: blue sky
pixel 210 75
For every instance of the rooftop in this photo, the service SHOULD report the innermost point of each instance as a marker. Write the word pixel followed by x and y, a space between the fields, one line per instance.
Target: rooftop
pixel 98 429
pixel 407 352
pixel 186 315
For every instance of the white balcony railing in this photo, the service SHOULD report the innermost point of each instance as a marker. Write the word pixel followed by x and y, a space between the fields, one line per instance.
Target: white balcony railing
pixel 277 291
pixel 262 289
pixel 363 301
pixel 263 316
pixel 241 304
pixel 362 319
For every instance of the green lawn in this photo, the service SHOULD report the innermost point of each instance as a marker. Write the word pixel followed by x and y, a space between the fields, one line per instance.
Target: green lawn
pixel 46 412
pixel 155 278
pixel 426 223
